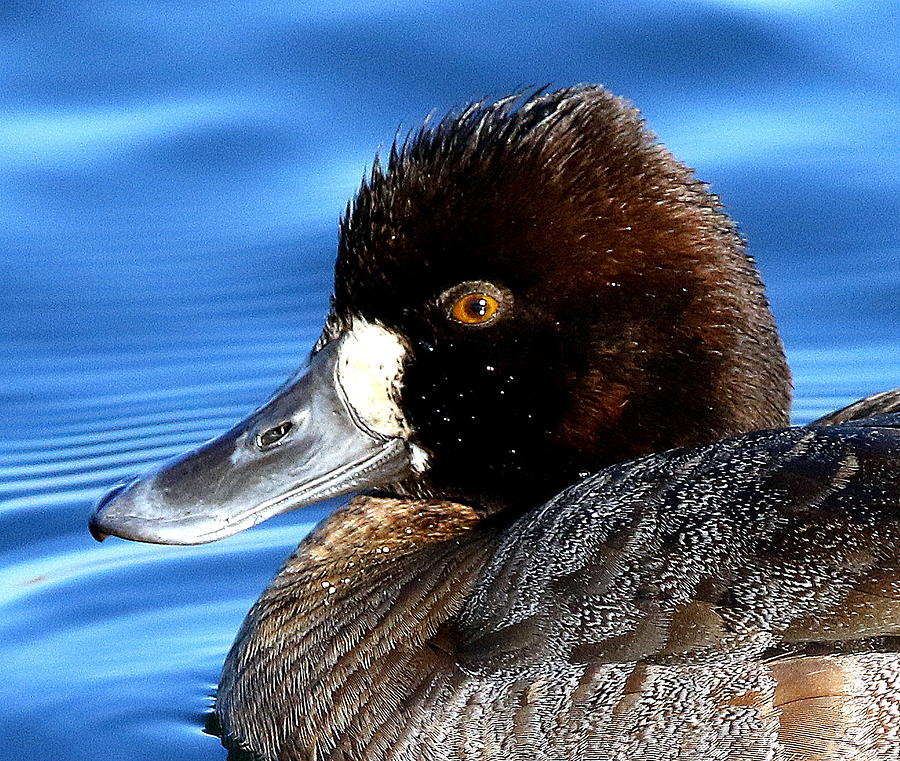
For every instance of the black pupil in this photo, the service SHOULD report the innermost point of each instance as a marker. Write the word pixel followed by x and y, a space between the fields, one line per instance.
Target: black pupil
pixel 274 435
pixel 477 306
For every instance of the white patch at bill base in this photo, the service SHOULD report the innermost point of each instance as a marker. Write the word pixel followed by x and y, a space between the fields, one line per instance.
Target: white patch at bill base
pixel 370 373
pixel 418 458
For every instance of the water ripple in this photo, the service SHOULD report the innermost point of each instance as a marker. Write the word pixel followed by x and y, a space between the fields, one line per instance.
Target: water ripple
pixel 172 177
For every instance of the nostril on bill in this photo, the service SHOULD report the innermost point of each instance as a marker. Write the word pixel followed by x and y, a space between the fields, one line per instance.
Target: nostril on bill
pixel 272 436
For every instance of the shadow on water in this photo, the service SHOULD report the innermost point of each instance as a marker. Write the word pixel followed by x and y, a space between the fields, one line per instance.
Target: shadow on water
pixel 172 177
pixel 212 727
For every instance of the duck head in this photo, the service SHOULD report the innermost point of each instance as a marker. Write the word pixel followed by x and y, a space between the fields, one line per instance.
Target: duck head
pixel 525 292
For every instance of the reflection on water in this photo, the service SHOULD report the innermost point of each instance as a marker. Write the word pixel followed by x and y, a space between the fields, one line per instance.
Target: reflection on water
pixel 172 174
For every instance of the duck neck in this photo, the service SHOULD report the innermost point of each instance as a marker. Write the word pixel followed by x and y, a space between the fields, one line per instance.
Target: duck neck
pixel 350 626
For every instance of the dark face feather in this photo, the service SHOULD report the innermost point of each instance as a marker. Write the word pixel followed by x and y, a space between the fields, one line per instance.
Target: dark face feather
pixel 637 323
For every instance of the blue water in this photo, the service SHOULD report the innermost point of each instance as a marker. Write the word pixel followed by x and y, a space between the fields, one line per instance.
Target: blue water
pixel 171 176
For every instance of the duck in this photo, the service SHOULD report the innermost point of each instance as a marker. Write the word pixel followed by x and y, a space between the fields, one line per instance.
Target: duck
pixel 582 525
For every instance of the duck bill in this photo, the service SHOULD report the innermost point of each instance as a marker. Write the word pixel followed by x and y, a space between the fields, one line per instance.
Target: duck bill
pixel 305 445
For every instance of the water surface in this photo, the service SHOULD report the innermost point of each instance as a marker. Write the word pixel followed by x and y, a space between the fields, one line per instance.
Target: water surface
pixel 172 174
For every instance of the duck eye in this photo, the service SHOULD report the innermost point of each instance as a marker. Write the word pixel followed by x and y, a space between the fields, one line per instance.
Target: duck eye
pixel 475 308
pixel 272 436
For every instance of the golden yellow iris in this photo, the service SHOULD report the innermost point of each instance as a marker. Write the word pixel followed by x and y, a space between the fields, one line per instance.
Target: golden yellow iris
pixel 475 308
